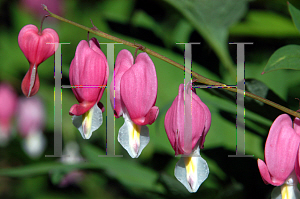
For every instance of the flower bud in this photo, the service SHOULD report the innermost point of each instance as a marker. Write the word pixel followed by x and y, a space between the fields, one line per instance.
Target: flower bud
pixel 280 151
pixel 35 7
pixel 175 121
pixel 31 121
pixel 8 104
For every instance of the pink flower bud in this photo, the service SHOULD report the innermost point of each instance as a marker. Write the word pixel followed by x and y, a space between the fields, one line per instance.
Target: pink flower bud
pixel 35 7
pixel 72 178
pixel 174 123
pixel 280 151
pixel 297 163
pixel 72 156
pixel 31 116
pixel 88 68
pixel 31 119
pixel 37 47
pixel 8 104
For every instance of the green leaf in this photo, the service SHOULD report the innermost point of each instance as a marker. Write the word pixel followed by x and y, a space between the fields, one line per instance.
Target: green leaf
pixel 43 168
pixel 57 177
pixel 258 88
pixel 287 57
pixel 172 29
pixel 264 24
pixel 126 171
pixel 212 20
pixel 295 13
pixel 173 186
pixel 117 10
pixel 265 111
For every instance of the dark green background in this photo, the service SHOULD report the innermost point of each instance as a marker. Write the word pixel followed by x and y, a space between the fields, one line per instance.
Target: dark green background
pixel 157 25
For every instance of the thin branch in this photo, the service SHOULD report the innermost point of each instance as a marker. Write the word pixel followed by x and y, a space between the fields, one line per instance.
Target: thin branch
pixel 200 78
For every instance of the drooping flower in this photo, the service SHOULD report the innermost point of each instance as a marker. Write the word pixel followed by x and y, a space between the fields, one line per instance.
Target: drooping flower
pixel 31 121
pixel 37 46
pixel 175 123
pixel 281 150
pixel 8 104
pixel 186 123
pixel 135 89
pixel 296 126
pixel 88 75
pixel 71 155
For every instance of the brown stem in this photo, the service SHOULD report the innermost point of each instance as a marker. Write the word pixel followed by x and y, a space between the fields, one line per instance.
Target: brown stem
pixel 200 78
pixel 40 30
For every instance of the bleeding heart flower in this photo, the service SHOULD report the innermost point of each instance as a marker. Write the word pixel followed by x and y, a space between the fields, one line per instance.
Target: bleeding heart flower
pixel 37 46
pixel 135 89
pixel 186 133
pixel 297 130
pixel 71 155
pixel 31 121
pixel 35 7
pixel 281 150
pixel 175 121
pixel 8 104
pixel 88 74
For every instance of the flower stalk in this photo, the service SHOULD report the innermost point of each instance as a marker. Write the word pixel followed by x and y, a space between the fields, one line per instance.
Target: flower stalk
pixel 200 78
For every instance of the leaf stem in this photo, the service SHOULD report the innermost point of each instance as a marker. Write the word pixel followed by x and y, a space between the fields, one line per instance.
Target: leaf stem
pixel 200 78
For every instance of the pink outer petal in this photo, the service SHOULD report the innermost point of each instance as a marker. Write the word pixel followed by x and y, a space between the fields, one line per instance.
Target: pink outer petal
pixel 169 123
pixel 149 118
pixel 207 115
pixel 123 62
pixel 198 122
pixel 88 68
pixel 297 165
pixel 81 108
pixel 46 47
pixel 8 105
pixel 281 148
pixel 264 172
pixel 297 125
pixel 174 123
pixel 139 88
pixel 28 40
pixel 34 46
pixel 94 45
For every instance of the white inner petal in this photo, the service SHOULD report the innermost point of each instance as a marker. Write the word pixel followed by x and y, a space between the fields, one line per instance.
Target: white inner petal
pixel 88 122
pixel 289 189
pixel 192 171
pixel 32 79
pixel 34 144
pixel 133 137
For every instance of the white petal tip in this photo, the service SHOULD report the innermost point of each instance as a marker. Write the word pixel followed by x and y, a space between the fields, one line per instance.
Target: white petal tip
pixel 133 138
pixel 34 144
pixel 191 172
pixel 88 122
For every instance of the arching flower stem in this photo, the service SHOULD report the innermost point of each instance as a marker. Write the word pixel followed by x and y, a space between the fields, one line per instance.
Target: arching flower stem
pixel 200 78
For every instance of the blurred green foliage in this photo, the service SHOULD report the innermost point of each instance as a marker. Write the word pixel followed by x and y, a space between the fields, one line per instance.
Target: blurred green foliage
pixel 157 25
